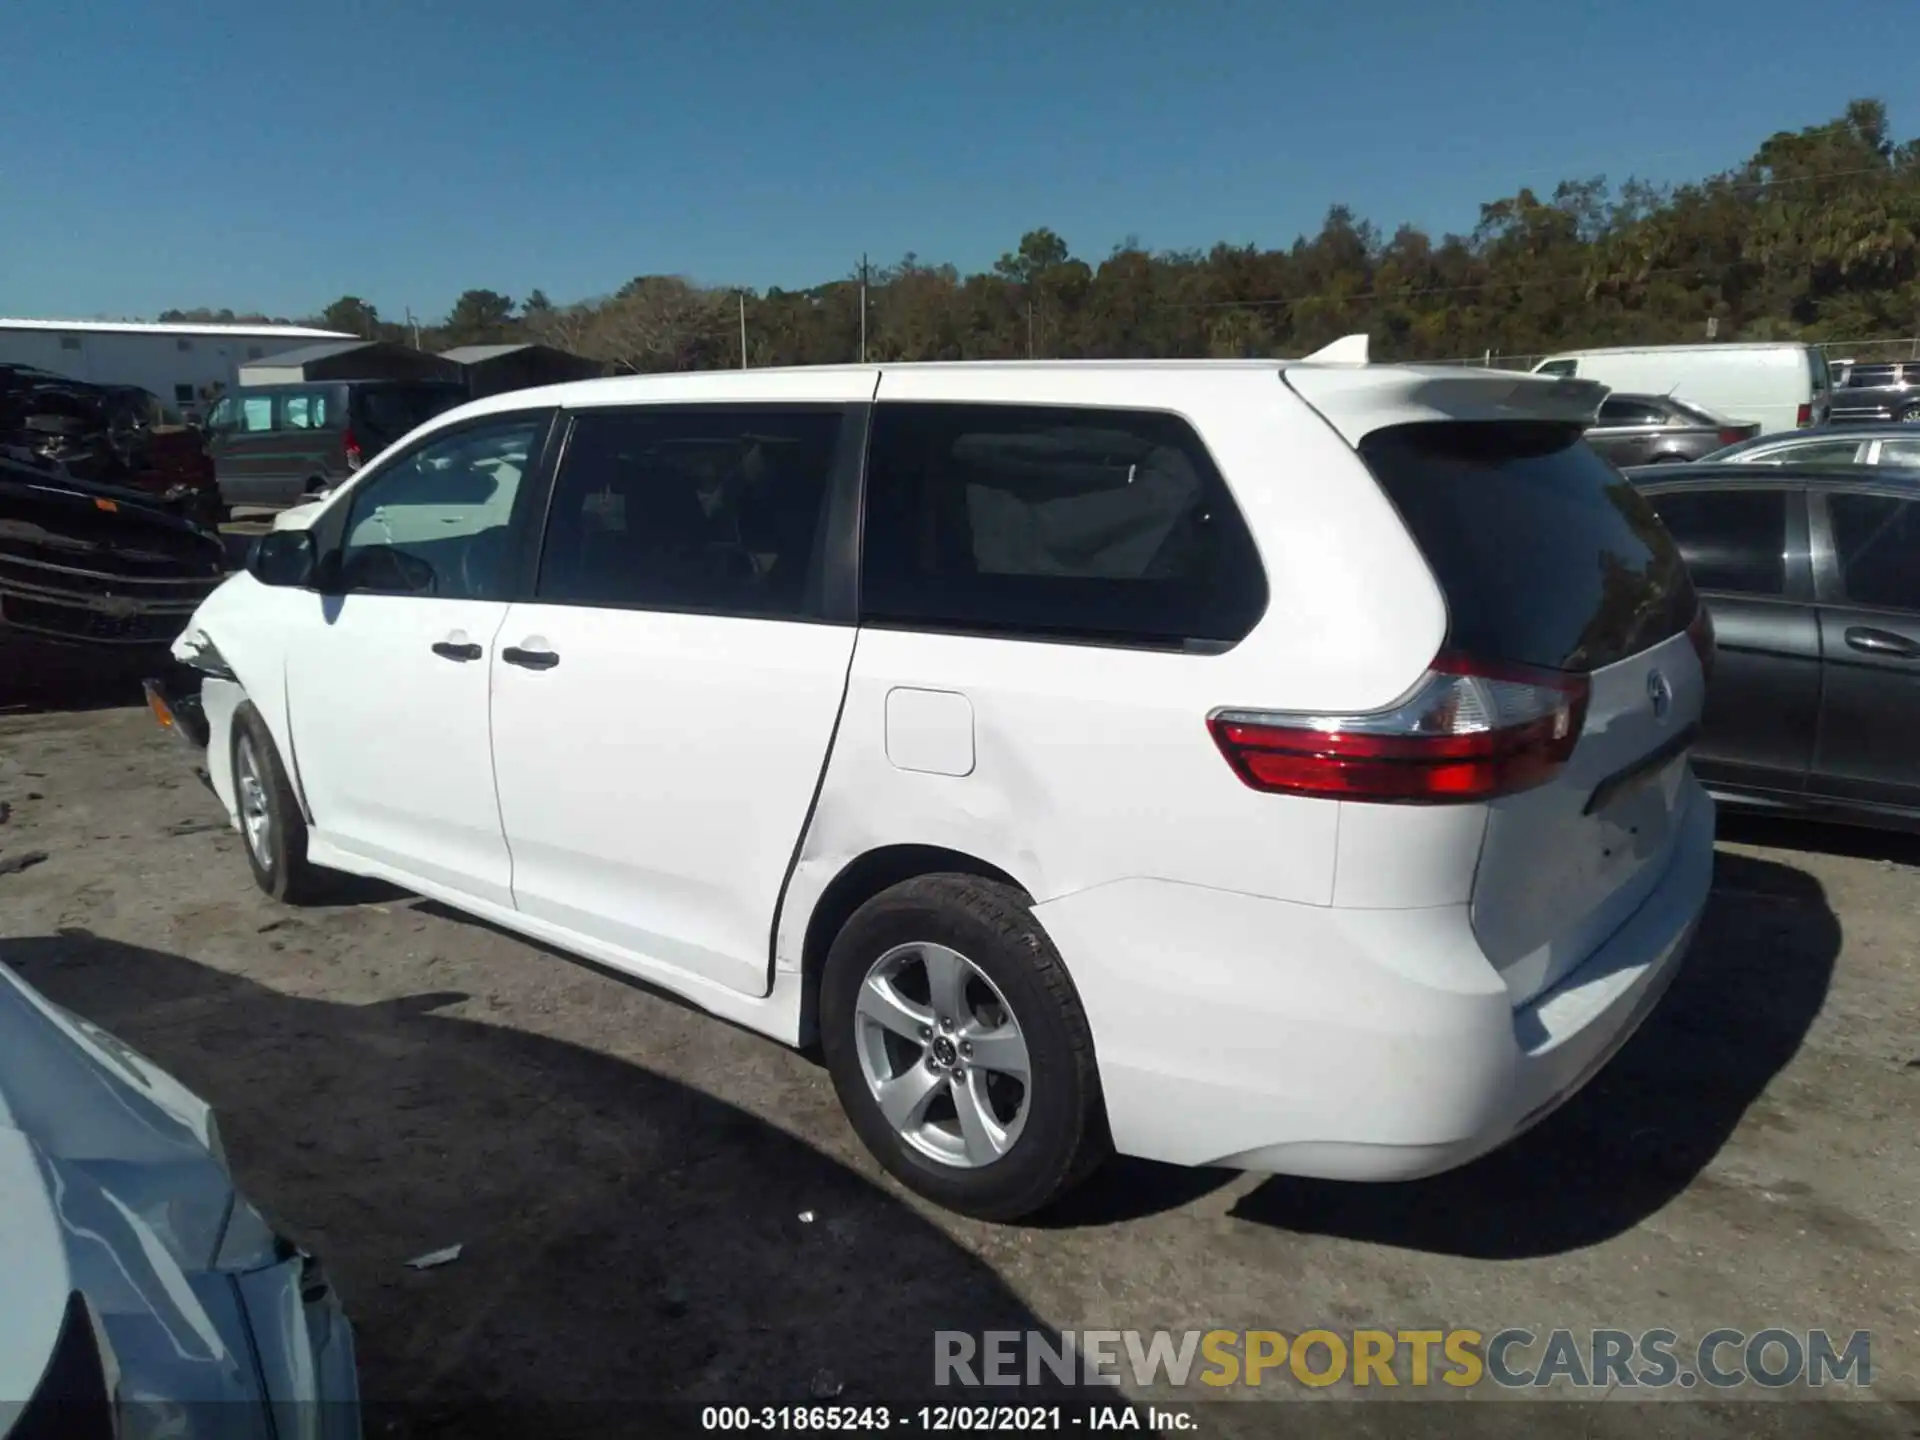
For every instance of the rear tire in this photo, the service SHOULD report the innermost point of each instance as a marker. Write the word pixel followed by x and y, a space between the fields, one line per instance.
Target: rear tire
pixel 982 995
pixel 271 826
pixel 1910 415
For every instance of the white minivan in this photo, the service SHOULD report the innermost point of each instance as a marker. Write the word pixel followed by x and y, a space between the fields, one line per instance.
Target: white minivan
pixel 1280 766
pixel 1778 386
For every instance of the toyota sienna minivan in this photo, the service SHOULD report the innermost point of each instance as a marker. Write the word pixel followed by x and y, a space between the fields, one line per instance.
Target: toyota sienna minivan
pixel 1273 765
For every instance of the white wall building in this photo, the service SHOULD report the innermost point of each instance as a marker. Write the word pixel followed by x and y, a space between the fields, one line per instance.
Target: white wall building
pixel 175 362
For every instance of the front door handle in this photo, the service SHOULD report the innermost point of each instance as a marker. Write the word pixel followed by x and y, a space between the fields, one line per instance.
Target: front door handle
pixel 530 659
pixel 1882 642
pixel 450 650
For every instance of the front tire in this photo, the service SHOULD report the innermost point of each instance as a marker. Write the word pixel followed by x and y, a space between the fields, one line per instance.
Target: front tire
pixel 959 1049
pixel 271 825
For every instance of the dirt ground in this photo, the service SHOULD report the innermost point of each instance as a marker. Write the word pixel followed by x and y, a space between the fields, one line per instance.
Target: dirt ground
pixel 653 1204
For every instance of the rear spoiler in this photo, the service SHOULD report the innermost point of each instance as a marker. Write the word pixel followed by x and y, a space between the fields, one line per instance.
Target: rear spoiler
pixel 1357 401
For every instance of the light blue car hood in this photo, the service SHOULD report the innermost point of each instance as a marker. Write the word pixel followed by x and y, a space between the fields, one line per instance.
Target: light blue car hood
pixel 113 1184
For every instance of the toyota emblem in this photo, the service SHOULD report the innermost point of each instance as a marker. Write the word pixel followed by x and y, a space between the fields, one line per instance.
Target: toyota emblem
pixel 1660 692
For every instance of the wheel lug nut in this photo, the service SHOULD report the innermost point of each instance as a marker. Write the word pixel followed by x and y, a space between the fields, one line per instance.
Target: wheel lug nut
pixel 933 1062
pixel 926 1032
pixel 966 1047
pixel 945 1023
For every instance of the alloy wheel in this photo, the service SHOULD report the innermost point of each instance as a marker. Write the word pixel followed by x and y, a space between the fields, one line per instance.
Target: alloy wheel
pixel 256 819
pixel 942 1055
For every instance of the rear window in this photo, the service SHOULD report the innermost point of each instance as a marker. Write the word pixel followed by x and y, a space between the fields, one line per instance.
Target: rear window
pixel 1546 555
pixel 393 410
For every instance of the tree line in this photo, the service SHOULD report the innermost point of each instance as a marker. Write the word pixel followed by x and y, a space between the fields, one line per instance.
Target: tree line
pixel 1815 236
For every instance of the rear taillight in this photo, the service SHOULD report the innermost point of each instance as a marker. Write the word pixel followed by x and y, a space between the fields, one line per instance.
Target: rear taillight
pixel 1700 632
pixel 353 450
pixel 1469 731
pixel 1803 416
pixel 1734 435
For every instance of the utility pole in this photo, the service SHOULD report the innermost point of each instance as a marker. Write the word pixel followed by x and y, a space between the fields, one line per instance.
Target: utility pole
pixel 1029 329
pixel 863 309
pixel 413 325
pixel 742 297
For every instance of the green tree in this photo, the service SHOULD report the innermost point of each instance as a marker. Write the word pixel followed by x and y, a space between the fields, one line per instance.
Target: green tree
pixel 479 317
pixel 353 315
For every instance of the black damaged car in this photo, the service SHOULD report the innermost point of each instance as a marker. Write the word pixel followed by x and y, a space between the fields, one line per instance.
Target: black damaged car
pixel 95 583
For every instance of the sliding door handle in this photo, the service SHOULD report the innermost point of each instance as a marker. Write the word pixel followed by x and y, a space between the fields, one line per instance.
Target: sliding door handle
pixel 529 659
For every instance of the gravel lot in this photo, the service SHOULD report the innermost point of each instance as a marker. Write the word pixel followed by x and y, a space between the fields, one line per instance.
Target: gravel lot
pixel 632 1181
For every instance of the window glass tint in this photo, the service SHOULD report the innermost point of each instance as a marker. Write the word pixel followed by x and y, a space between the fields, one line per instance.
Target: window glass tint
pixel 1814 452
pixel 256 413
pixel 1876 538
pixel 1545 554
pixel 1865 377
pixel 226 415
pixel 1036 520
pixel 435 522
pixel 1822 376
pixel 1900 452
pixel 1693 414
pixel 709 508
pixel 1731 539
pixel 304 410
pixel 1559 367
pixel 1614 411
pixel 390 411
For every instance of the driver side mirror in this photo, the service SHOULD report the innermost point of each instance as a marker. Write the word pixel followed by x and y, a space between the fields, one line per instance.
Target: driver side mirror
pixel 285 558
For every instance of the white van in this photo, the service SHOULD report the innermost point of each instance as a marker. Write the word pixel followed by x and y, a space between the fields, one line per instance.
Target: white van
pixel 1227 763
pixel 1778 386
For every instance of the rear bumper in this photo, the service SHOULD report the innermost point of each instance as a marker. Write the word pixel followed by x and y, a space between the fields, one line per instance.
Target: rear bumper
pixel 1347 1044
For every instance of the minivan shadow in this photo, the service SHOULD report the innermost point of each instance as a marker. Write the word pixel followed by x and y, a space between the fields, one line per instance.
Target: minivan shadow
pixel 1815 837
pixel 626 1238
pixel 1637 1136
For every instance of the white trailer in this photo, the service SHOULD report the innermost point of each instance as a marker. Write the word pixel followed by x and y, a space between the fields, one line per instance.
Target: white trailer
pixel 178 363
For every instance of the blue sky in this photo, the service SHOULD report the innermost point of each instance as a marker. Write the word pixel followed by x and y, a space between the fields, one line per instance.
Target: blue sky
pixel 277 156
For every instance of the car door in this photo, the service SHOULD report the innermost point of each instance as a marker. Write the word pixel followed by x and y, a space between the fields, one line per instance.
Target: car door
pixel 1866 543
pixel 1629 431
pixel 664 705
pixel 387 681
pixel 1746 546
pixel 244 448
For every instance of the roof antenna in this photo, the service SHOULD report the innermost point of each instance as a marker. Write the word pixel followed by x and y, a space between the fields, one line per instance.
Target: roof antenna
pixel 1347 350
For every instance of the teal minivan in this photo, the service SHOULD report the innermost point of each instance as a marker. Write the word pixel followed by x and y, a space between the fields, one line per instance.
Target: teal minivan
pixel 275 445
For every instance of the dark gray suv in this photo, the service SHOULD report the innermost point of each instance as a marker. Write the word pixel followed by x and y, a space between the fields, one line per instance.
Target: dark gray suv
pixel 1879 392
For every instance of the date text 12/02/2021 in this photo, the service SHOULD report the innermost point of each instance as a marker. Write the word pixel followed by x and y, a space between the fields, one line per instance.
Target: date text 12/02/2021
pixel 946 1419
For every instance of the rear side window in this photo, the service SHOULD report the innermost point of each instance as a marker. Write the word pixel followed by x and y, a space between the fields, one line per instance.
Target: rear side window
pixel 1875 538
pixel 1731 540
pixel 1559 367
pixel 1043 521
pixel 303 410
pixel 256 414
pixel 1867 377
pixel 1615 411
pixel 1545 554
pixel 393 410
pixel 715 509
